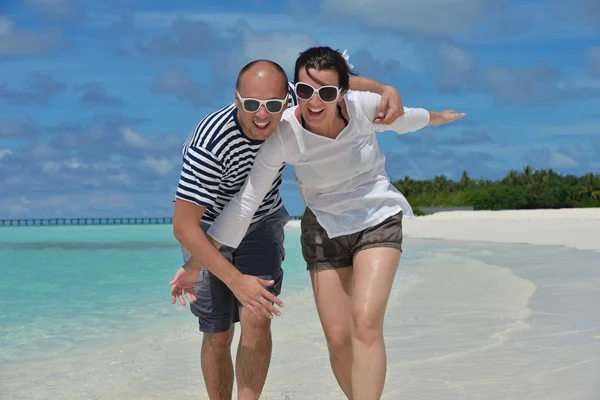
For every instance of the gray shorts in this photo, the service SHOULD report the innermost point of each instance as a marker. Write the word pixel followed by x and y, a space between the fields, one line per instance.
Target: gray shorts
pixel 260 254
pixel 321 252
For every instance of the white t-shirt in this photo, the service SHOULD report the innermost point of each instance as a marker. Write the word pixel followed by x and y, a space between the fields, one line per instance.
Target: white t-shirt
pixel 342 180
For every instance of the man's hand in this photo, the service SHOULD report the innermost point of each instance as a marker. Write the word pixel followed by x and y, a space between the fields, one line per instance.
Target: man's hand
pixel 443 117
pixel 252 293
pixel 183 283
pixel 390 107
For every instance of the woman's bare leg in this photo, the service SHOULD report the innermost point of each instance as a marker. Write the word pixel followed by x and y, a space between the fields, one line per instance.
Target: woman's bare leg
pixel 374 272
pixel 332 288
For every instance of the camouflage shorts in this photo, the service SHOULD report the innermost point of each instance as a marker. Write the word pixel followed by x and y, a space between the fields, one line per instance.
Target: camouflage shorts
pixel 321 252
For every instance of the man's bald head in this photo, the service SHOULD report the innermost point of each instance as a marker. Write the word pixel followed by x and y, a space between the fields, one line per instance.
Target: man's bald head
pixel 262 70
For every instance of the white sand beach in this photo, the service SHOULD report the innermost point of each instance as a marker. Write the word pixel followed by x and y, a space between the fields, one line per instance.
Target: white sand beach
pixel 504 307
pixel 523 324
pixel 578 228
pixel 486 305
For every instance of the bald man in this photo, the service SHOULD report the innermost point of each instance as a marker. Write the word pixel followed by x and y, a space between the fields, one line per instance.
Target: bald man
pixel 228 285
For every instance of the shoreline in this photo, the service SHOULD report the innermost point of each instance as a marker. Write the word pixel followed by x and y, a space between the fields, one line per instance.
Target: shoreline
pixel 571 227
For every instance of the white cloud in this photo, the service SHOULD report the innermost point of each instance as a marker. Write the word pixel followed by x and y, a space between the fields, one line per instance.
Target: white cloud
pixel 282 48
pixel 107 166
pixel 15 206
pixel 74 164
pixel 62 10
pixel 456 67
pixel 282 36
pixel 43 150
pixel 16 129
pixel 159 166
pixel 23 42
pixel 530 84
pixel 587 128
pixel 121 178
pixel 135 140
pixel 225 20
pixel 51 168
pixel 593 58
pixel 4 153
pixel 427 17
pixel 177 81
pixel 559 160
pixel 6 26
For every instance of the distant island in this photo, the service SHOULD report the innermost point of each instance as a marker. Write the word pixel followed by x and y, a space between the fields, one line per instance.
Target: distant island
pixel 525 190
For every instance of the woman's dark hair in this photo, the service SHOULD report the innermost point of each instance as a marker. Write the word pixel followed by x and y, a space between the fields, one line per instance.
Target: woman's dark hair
pixel 321 58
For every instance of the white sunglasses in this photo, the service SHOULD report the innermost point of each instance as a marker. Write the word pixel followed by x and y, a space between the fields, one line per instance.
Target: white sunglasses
pixel 327 94
pixel 252 105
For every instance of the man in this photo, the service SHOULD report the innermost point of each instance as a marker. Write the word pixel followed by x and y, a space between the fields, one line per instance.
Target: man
pixel 238 285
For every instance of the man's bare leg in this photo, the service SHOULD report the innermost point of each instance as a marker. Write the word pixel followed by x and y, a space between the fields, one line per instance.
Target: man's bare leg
pixel 217 366
pixel 253 355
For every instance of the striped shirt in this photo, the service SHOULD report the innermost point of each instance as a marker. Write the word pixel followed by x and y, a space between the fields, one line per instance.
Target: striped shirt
pixel 217 158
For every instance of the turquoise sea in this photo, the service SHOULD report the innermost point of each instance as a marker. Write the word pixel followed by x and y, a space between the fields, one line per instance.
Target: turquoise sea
pixel 66 287
pixel 85 313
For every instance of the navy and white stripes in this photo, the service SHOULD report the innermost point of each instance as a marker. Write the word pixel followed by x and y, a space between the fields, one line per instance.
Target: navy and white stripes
pixel 217 158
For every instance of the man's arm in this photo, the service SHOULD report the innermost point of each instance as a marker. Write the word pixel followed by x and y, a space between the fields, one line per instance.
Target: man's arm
pixel 362 84
pixel 187 231
pixel 390 107
pixel 198 188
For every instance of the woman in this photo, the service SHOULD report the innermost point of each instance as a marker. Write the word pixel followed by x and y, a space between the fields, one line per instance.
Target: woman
pixel 352 225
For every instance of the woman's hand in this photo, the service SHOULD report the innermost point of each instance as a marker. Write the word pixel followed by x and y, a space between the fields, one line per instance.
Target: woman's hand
pixel 443 117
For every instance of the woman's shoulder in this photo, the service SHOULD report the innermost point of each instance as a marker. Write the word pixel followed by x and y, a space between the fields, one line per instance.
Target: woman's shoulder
pixel 362 103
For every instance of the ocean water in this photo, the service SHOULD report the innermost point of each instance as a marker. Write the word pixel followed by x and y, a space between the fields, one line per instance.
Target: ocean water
pixel 92 296
pixel 68 287
pixel 85 313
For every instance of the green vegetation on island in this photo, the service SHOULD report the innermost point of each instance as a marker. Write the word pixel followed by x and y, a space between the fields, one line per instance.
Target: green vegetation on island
pixel 529 189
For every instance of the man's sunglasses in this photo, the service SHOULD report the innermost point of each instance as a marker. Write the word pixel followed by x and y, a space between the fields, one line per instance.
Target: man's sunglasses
pixel 251 105
pixel 327 94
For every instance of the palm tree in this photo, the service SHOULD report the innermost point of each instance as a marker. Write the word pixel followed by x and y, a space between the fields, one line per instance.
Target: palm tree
pixel 465 181
pixel 591 186
pixel 512 178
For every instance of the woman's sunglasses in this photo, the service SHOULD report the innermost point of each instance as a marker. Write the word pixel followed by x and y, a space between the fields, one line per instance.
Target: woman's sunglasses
pixel 251 105
pixel 327 94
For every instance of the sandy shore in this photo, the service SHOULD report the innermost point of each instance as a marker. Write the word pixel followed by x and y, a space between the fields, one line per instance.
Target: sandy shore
pixel 577 228
pixel 488 315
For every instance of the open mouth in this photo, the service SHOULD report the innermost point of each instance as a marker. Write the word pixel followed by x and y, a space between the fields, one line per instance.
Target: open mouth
pixel 261 125
pixel 315 112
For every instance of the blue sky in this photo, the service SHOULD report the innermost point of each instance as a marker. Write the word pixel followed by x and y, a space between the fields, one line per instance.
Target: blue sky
pixel 96 98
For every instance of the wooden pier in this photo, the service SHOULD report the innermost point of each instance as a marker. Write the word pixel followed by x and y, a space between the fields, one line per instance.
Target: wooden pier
pixel 85 221
pixel 92 221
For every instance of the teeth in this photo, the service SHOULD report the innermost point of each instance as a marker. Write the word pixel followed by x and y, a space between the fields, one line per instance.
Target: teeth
pixel 316 110
pixel 261 124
